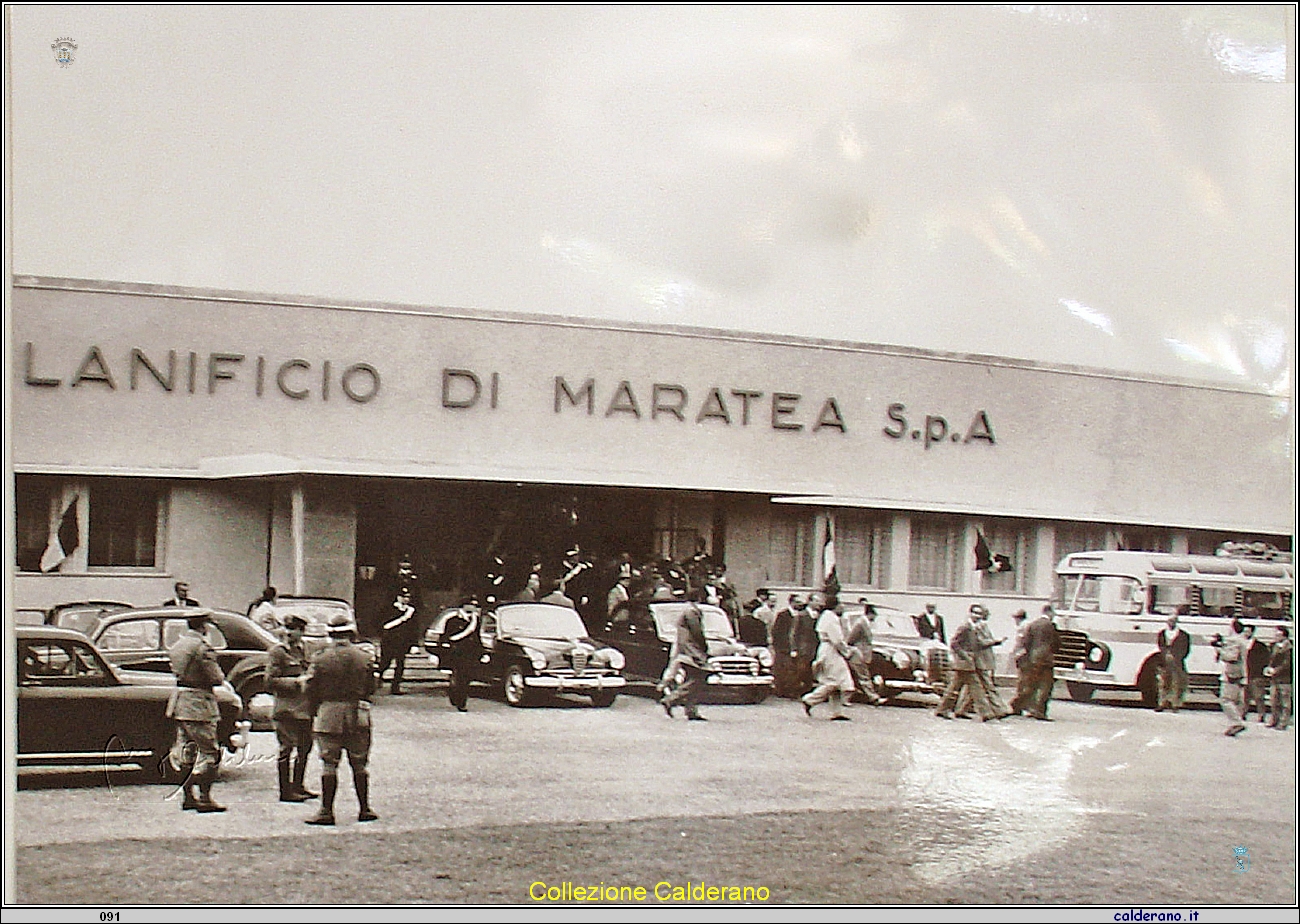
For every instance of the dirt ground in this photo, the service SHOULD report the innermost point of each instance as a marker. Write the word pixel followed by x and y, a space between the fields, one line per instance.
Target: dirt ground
pixel 1109 804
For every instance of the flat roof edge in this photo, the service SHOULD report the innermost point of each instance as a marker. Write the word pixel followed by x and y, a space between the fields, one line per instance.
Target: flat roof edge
pixel 155 290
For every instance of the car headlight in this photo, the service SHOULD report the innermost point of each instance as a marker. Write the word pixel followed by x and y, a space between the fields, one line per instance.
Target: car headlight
pixel 764 656
pixel 902 660
pixel 536 657
pixel 615 658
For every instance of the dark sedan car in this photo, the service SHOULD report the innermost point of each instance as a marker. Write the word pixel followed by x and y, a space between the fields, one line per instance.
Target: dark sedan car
pixel 533 647
pixel 644 631
pixel 140 639
pixel 77 710
pixel 902 660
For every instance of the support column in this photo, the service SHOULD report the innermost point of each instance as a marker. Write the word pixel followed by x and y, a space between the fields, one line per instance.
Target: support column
pixel 298 530
pixel 900 551
pixel 1044 561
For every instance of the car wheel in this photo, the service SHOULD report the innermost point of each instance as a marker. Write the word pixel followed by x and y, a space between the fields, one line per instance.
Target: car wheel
pixel 259 703
pixel 604 699
pixel 513 686
pixel 1079 692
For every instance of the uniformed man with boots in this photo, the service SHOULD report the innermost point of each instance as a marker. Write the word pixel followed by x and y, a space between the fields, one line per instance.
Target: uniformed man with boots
pixel 339 684
pixel 286 675
pixel 194 707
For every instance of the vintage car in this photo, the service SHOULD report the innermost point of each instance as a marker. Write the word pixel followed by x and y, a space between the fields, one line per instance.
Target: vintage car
pixel 139 640
pixel 81 615
pixel 75 709
pixel 904 661
pixel 533 647
pixel 644 631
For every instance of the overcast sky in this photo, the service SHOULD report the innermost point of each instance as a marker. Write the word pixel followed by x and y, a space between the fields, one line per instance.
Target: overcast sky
pixel 1110 186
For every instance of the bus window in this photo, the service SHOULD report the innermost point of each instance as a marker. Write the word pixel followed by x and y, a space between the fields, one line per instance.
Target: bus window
pixel 1166 599
pixel 1263 604
pixel 1109 594
pixel 1218 601
pixel 1066 585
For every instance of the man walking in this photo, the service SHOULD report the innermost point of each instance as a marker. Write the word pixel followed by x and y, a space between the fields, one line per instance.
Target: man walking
pixel 461 632
pixel 194 707
pixel 286 675
pixel 831 666
pixel 1230 650
pixel 794 644
pixel 399 635
pixel 1036 662
pixel 859 636
pixel 985 669
pixel 964 675
pixel 1173 646
pixel 339 684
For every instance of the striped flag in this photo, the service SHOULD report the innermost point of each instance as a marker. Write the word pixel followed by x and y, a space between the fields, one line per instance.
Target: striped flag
pixel 832 580
pixel 64 538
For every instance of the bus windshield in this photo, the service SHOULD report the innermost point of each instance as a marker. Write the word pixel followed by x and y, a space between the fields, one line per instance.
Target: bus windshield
pixel 1108 594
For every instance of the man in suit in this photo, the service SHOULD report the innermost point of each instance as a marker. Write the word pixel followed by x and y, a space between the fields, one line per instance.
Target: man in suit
pixel 1173 645
pixel 930 624
pixel 794 645
pixel 964 675
pixel 1036 662
pixel 182 596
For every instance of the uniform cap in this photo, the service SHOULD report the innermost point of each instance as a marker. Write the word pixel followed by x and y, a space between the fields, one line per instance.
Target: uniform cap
pixel 978 610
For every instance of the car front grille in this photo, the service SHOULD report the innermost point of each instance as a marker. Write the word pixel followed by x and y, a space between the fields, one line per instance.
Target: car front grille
pixel 936 666
pixel 733 665
pixel 1074 648
pixel 579 660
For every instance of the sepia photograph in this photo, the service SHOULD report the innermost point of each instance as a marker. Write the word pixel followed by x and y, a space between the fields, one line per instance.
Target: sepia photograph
pixel 634 457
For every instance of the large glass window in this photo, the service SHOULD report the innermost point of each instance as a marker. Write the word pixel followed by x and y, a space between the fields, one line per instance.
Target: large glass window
pixel 1079 537
pixel 123 522
pixel 64 524
pixel 1013 539
pixel 862 548
pixel 790 547
pixel 936 542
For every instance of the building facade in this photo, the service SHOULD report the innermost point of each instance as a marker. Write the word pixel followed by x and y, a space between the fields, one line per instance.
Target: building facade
pixel 234 440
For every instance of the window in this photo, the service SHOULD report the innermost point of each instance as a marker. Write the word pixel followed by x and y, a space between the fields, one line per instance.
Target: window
pixel 1218 601
pixel 935 545
pixel 1109 594
pixel 1144 539
pixel 64 524
pixel 790 547
pixel 61 663
pixel 123 522
pixel 1079 537
pixel 174 628
pixel 862 549
pixel 1012 539
pixel 135 635
pixel 1170 599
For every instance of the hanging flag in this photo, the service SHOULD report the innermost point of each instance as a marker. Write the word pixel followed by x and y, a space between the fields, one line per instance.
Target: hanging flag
pixel 988 561
pixel 64 539
pixel 831 584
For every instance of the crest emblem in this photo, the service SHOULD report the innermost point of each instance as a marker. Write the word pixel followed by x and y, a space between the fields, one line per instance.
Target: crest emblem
pixel 1242 856
pixel 64 49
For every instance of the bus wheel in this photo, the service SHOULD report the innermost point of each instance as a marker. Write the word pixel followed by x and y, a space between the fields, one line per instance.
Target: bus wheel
pixel 1080 692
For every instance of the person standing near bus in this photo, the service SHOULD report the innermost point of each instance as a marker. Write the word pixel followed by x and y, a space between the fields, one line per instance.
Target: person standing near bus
pixel 1280 672
pixel 1230 650
pixel 1173 645
pixel 1257 656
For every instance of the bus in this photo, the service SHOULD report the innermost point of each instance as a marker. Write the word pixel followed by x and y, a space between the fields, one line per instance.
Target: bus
pixel 1110 606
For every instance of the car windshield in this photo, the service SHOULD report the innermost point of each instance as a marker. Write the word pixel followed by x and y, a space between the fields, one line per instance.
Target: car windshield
pixel 668 617
pixel 894 623
pixel 539 620
pixel 316 612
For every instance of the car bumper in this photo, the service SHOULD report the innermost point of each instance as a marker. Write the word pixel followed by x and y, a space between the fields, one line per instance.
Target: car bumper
pixel 740 680
pixel 1080 675
pixel 583 684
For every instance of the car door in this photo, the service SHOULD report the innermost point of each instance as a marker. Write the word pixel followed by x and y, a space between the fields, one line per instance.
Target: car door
pixel 645 655
pixel 70 704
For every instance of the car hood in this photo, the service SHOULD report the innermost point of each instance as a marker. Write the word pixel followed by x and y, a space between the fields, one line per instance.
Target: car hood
pixel 727 648
pixel 555 645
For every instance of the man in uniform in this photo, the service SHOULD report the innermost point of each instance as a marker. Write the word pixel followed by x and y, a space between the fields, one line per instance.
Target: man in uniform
pixel 194 707
pixel 1036 662
pixel 339 684
pixel 1230 651
pixel 286 676
pixel 400 632
pixel 461 632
